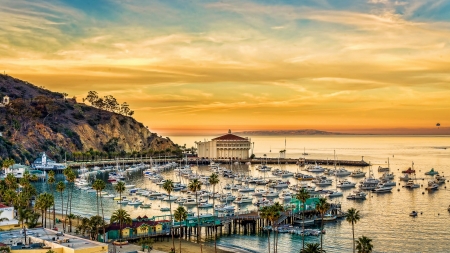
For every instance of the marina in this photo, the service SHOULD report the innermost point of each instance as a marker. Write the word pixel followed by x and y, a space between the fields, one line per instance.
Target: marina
pixel 244 220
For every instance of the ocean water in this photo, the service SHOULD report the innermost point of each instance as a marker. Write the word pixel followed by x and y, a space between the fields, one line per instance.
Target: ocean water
pixel 384 217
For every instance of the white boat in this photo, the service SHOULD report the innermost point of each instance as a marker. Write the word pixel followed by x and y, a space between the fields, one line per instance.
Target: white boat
pixel 411 184
pixel 243 200
pixel 333 194
pixel 108 196
pixel 406 177
pixel 358 173
pixel 258 192
pixel 432 186
pixel 325 182
pixel 382 189
pixel 387 176
pixel 279 184
pixel 227 197
pixel 389 183
pixel 271 194
pixel 171 198
pixel 369 183
pixel 246 189
pixel 130 186
pixel 285 195
pixel 223 208
pixel 357 195
pixel 134 202
pixel 190 202
pixel 346 184
pixel 342 172
pixel 439 179
pixel 316 168
pixel 205 205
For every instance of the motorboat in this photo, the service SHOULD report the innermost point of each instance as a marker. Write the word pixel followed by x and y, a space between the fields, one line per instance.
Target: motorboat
pixel 164 209
pixel 327 217
pixel 432 172
pixel 190 202
pixel 346 184
pixel 342 172
pixel 304 222
pixel 303 177
pixel 358 173
pixel 279 184
pixel 170 198
pixel 258 192
pixel 285 195
pixel 439 179
pixel 357 195
pixel 409 171
pixel 325 182
pixel 318 179
pixel 128 186
pixel 387 176
pixel 405 177
pixel 369 183
pixel 263 202
pixel 205 205
pixel 123 201
pixel 227 197
pixel 334 194
pixel 382 169
pixel 388 183
pixel 144 206
pixel 135 202
pixel 243 200
pixel 413 214
pixel 382 189
pixel 108 196
pixel 411 184
pixel 271 194
pixel 432 186
pixel 224 208
pixel 316 168
pixel 246 189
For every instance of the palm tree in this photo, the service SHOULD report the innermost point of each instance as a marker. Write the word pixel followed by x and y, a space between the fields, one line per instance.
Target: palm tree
pixel 180 215
pixel 168 187
pixel 96 187
pixel 312 248
pixel 120 188
pixel 352 217
pixel 302 196
pixel 60 187
pixel 364 245
pixel 121 216
pixel 274 215
pixel 99 187
pixel 195 186
pixel 214 180
pixel 265 213
pixel 71 179
pixel 51 181
pixel 322 207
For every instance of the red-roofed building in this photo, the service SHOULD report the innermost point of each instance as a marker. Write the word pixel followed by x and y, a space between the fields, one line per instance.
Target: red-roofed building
pixel 225 147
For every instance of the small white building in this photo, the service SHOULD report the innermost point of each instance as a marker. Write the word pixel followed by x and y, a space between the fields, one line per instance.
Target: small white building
pixel 225 147
pixel 8 213
pixel 5 101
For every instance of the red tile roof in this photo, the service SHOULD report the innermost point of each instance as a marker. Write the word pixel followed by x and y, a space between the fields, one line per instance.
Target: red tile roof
pixel 3 206
pixel 229 137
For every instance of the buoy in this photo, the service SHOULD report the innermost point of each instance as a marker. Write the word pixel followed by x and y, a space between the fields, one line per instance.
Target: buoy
pixel 438 214
pixel 398 190
pixel 423 192
pixel 421 212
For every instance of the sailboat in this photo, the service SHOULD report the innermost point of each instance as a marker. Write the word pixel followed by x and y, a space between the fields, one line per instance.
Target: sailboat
pixel 304 151
pixel 381 169
pixel 335 193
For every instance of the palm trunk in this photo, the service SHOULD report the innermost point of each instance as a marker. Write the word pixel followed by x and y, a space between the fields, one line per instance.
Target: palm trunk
pixel 353 231
pixel 62 211
pixel 321 236
pixel 70 206
pixel 103 218
pixel 303 227
pixel 198 218
pixel 171 222
pixel 268 238
pixel 120 232
pixel 97 204
pixel 179 238
pixel 214 220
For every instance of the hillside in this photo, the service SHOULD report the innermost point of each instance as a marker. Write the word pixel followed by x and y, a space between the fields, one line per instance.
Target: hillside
pixel 286 132
pixel 38 120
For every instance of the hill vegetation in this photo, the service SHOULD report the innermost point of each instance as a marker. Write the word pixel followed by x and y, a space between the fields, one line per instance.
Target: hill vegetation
pixel 38 120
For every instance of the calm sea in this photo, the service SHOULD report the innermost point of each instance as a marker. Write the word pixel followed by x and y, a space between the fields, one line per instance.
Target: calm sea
pixel 385 217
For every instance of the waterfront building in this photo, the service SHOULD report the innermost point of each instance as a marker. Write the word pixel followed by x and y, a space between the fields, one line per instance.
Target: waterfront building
pixel 135 229
pixel 225 147
pixel 45 163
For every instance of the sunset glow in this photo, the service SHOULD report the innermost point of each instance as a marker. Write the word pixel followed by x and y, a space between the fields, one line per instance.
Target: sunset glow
pixel 204 66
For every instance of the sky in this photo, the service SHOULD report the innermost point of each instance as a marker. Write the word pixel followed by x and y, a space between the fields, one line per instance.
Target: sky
pixel 193 67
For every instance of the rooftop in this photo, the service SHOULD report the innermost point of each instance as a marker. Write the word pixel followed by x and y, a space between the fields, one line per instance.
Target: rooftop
pixel 51 239
pixel 229 137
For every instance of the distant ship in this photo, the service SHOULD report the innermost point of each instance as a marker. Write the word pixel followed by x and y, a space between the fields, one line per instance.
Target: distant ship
pixel 44 163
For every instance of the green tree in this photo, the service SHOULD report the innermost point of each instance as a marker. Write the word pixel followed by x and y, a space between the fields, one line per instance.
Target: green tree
pixel 180 215
pixel 214 180
pixel 99 185
pixel 352 217
pixel 60 187
pixel 121 216
pixel 302 196
pixel 168 187
pixel 51 182
pixel 312 248
pixel 120 188
pixel 322 207
pixel 364 245
pixel 94 223
pixel 195 186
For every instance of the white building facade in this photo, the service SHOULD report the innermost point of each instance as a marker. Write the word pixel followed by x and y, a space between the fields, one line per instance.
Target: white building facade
pixel 225 147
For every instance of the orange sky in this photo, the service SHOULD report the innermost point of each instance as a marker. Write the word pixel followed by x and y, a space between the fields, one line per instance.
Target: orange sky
pixel 207 67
